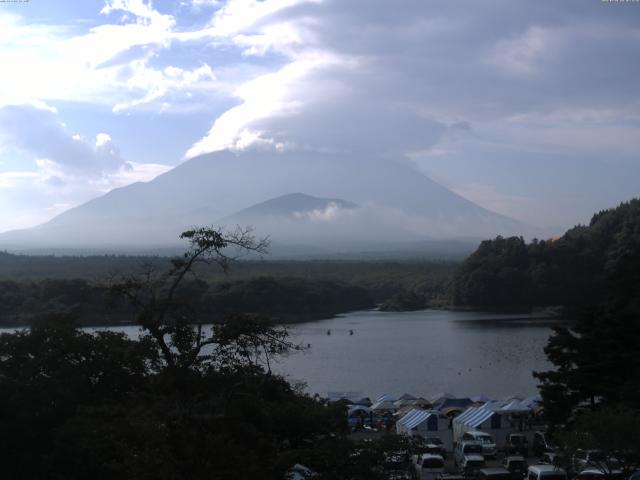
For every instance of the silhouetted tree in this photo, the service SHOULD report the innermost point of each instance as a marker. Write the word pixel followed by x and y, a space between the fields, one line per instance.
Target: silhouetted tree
pixel 613 432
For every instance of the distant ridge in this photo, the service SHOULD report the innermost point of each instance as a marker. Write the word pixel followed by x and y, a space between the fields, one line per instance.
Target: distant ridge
pixel 290 205
pixel 340 207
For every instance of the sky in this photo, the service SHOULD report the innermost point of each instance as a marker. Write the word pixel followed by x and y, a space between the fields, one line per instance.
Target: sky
pixel 531 109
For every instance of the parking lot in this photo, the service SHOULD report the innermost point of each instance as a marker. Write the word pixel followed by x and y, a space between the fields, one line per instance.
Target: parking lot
pixel 497 462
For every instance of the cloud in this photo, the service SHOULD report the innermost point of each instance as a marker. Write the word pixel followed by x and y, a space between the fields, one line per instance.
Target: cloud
pixel 41 133
pixel 330 213
pixel 111 64
pixel 265 98
pixel 157 83
pixel 441 78
pixel 368 76
pixel 57 168
pixel 62 156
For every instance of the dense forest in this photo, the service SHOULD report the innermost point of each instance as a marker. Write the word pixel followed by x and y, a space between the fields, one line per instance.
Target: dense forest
pixel 578 269
pixel 31 286
pixel 284 299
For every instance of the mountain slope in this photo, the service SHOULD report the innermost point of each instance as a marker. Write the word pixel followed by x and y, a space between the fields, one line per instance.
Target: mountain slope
pixel 293 205
pixel 395 202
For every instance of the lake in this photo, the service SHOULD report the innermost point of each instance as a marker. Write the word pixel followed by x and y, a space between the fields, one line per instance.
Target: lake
pixel 423 353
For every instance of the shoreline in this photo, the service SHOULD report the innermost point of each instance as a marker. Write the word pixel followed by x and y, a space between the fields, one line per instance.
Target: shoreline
pixel 292 319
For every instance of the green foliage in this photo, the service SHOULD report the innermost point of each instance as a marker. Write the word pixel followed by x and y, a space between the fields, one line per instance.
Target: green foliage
pixel 279 297
pixel 585 266
pixel 47 374
pixel 380 278
pixel 404 301
pixel 77 405
pixel 287 299
pixel 597 363
pixel 594 386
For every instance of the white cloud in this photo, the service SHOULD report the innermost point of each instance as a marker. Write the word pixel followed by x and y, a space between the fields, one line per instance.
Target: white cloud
pixel 265 97
pixel 64 169
pixel 237 15
pixel 101 66
pixel 330 213
pixel 64 155
pixel 102 139
pixel 334 75
pixel 158 82
pixel 41 133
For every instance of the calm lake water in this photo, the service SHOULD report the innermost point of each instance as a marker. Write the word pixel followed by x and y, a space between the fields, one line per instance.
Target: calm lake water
pixel 426 352
pixel 423 353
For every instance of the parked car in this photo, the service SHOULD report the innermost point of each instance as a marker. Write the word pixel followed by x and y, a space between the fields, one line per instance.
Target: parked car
pixel 590 458
pixel 545 472
pixel 517 443
pixel 464 449
pixel 471 465
pixel 516 465
pixel 428 466
pixel 435 446
pixel 553 458
pixel 497 473
pixel 541 444
pixel 488 443
pixel 591 473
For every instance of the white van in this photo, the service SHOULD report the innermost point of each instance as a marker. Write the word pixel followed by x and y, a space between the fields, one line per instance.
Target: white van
pixel 546 472
pixel 598 474
pixel 489 448
pixel 428 466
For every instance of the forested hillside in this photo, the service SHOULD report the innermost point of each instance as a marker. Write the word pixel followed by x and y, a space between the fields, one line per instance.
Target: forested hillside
pixel 283 299
pixel 289 290
pixel 585 266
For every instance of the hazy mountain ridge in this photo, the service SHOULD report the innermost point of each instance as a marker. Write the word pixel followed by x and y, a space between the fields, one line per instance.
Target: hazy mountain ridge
pixel 340 207
pixel 292 203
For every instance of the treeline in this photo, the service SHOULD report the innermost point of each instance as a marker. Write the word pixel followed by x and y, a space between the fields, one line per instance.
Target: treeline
pixel 591 397
pixel 284 299
pixel 290 290
pixel 21 302
pixel 285 296
pixel 578 269
pixel 381 277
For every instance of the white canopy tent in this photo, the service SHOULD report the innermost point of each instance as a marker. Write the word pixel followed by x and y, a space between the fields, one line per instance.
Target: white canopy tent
pixel 484 419
pixel 426 423
pixel 384 405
